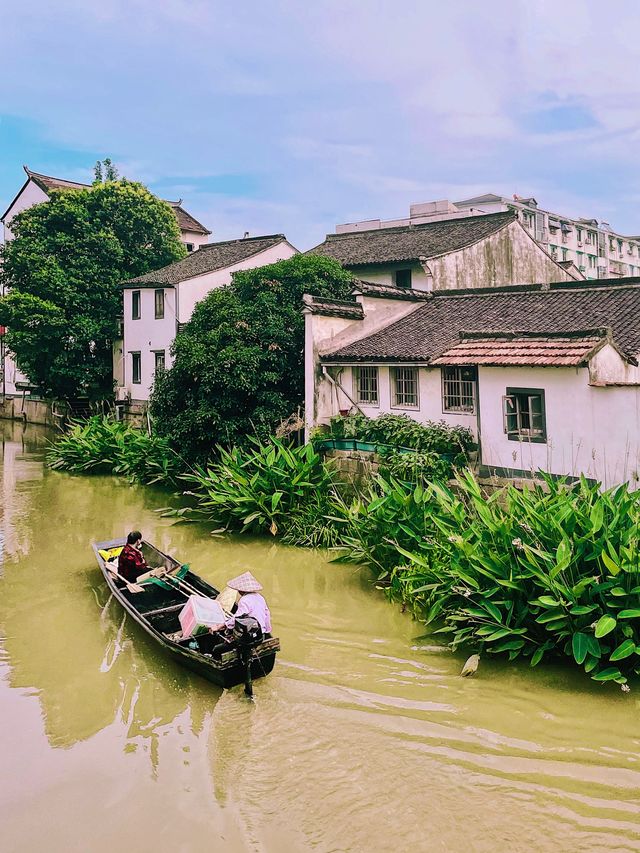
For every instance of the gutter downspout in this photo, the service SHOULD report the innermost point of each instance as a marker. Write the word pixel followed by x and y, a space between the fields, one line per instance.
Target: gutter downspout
pixel 337 384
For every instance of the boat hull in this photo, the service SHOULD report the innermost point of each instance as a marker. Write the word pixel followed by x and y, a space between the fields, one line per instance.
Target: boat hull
pixel 225 673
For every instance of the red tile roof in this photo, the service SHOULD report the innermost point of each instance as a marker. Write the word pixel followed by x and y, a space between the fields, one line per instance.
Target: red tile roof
pixel 520 348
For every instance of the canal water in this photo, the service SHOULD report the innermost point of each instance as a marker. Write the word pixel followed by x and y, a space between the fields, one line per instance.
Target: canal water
pixel 364 738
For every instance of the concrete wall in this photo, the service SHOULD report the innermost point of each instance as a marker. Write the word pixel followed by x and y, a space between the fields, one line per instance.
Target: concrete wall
pixel 29 411
pixel 510 256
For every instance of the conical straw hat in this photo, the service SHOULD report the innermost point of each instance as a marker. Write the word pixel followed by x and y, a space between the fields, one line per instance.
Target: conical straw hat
pixel 245 583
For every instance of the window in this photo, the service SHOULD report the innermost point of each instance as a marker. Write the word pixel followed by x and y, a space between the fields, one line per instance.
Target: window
pixel 403 278
pixel 459 389
pixel 554 250
pixel 524 414
pixel 135 305
pixel 366 385
pixel 592 261
pixel 189 246
pixel 159 359
pixel 159 303
pixel 136 368
pixel 404 387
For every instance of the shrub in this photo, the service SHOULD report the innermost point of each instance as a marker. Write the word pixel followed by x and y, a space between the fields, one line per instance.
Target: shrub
pixel 549 571
pixel 101 445
pixel 403 431
pixel 259 488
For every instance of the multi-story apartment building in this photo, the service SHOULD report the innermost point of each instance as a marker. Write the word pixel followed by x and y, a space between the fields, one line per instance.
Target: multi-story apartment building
pixel 594 247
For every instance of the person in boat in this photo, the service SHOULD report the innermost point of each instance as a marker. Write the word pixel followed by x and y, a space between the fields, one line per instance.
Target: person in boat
pixel 251 602
pixel 131 563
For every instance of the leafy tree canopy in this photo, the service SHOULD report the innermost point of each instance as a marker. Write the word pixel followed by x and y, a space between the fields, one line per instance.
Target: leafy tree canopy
pixel 238 363
pixel 61 275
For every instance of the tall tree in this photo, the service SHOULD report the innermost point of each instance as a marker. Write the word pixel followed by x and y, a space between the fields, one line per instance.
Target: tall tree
pixel 238 363
pixel 62 272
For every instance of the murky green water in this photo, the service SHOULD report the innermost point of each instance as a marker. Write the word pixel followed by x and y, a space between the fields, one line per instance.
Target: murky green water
pixel 364 738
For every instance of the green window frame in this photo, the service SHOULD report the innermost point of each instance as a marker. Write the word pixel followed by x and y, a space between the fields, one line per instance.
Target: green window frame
pixel 524 415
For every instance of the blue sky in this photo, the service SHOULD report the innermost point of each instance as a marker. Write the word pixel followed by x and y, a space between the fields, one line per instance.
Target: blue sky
pixel 288 116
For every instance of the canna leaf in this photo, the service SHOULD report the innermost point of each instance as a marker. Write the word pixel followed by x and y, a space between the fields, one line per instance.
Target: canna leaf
pixel 604 626
pixel 624 650
pixel 580 647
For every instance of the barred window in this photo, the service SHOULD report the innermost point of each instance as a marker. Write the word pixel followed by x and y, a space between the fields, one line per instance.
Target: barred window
pixel 459 389
pixel 404 387
pixel 366 385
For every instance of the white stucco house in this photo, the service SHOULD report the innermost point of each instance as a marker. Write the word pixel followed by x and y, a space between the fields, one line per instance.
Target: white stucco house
pixel 546 376
pixel 35 190
pixel 156 303
pixel 450 253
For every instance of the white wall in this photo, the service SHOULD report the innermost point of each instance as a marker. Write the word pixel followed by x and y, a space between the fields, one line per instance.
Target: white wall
pixel 195 238
pixel 591 430
pixel 32 194
pixel 385 275
pixel 145 336
pixel 192 290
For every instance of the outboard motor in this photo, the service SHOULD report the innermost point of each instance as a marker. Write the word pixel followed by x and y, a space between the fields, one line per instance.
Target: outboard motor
pixel 248 634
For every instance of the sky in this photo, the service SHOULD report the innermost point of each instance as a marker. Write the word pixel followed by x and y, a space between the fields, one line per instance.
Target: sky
pixel 273 116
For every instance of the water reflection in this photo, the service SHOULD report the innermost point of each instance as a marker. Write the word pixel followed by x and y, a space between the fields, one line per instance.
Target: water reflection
pixel 364 737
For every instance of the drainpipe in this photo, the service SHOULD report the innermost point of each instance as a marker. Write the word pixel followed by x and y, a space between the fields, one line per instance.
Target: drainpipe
pixel 337 384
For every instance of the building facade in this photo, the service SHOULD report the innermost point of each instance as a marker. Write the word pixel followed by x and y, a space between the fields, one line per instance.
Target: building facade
pixel 545 376
pixel 155 304
pixel 592 246
pixel 451 253
pixel 36 190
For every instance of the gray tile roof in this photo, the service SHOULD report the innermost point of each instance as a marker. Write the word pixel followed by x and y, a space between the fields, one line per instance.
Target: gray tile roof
pixel 208 258
pixel 410 243
pixel 332 307
pixel 186 222
pixel 434 326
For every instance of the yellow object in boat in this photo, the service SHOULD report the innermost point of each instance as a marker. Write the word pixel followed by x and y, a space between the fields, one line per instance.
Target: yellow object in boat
pixel 110 553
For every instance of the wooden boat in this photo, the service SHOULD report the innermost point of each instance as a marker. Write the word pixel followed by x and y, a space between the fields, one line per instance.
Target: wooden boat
pixel 225 663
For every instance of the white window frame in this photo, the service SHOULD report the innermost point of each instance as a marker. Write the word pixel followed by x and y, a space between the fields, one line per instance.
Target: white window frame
pixel 399 374
pixel 366 393
pixel 455 386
